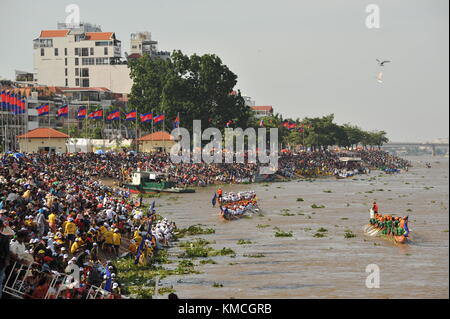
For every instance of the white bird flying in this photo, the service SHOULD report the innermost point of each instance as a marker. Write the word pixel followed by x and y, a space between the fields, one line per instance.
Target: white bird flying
pixel 380 77
pixel 381 63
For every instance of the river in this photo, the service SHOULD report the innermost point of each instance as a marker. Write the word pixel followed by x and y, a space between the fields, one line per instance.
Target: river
pixel 304 266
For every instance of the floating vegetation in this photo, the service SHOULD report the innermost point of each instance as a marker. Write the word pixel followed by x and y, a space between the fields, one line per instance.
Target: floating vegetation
pixel 307 229
pixel 207 261
pixel 281 233
pixel 300 199
pixel 286 213
pixel 317 206
pixel 256 255
pixel 322 230
pixel 136 279
pixel 409 210
pixel 194 230
pixel 262 226
pixel 344 218
pixel 196 242
pixel 217 285
pixel 223 252
pixel 349 234
pixel 319 235
pixel 243 242
pixel 327 191
pixel 369 192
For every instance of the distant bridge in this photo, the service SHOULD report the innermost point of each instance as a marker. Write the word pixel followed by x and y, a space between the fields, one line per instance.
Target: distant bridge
pixel 431 145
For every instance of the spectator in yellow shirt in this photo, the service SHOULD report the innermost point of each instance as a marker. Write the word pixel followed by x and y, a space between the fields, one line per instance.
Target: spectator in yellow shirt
pixel 70 229
pixel 75 246
pixel 108 235
pixel 116 240
pixel 52 221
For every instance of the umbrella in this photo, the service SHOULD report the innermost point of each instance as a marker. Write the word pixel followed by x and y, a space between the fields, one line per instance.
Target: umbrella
pixel 100 152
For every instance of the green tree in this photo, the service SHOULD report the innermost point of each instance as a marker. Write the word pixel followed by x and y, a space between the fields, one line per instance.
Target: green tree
pixel 195 87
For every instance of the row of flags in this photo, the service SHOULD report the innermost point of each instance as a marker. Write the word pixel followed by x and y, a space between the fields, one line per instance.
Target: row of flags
pixel 131 116
pixel 290 126
pixel 295 126
pixel 11 102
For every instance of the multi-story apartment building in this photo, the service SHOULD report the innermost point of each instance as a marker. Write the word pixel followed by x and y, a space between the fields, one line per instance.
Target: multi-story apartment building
pixel 80 57
pixel 141 43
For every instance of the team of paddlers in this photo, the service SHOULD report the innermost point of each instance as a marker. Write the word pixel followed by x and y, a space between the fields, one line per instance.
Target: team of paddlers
pixel 235 205
pixel 388 225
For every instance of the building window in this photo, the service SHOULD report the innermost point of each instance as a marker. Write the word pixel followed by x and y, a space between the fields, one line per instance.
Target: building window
pixel 92 51
pixel 105 49
pixel 85 72
pixel 77 51
pixel 85 52
pixel 134 47
pixel 65 61
pixel 65 71
pixel 56 52
pixel 88 61
pixel 77 72
pixel 100 61
pixel 67 82
pixel 101 43
pixel 85 83
pixel 42 52
pixel 65 51
pixel 77 82
pixel 76 61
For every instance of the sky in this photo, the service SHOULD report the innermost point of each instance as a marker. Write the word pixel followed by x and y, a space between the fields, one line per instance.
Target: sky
pixel 306 58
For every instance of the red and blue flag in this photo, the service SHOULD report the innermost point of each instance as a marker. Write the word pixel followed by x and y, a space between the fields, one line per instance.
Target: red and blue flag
pixel 43 109
pixel 115 115
pixel 159 118
pixel 96 115
pixel 147 117
pixel 176 123
pixel 63 111
pixel 82 112
pixel 131 116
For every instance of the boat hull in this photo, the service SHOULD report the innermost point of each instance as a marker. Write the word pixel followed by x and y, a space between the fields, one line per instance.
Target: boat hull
pixel 151 190
pixel 372 231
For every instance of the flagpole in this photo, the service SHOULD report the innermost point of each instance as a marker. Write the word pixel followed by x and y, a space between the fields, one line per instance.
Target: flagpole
pixel 136 133
pixel 2 111
pixel 152 120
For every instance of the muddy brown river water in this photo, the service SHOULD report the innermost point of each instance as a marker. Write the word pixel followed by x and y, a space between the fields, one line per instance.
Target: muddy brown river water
pixel 304 266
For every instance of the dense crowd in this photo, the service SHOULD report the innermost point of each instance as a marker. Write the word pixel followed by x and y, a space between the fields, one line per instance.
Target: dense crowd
pixel 57 220
pixel 317 163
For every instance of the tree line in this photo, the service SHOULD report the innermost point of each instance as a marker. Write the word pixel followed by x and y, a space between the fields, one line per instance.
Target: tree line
pixel 199 88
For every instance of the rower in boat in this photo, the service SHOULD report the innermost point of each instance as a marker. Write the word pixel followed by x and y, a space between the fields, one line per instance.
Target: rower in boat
pixel 388 226
pixel 235 205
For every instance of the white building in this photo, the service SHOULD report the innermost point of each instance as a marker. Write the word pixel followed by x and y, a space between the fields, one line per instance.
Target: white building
pixel 141 43
pixel 262 111
pixel 80 57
